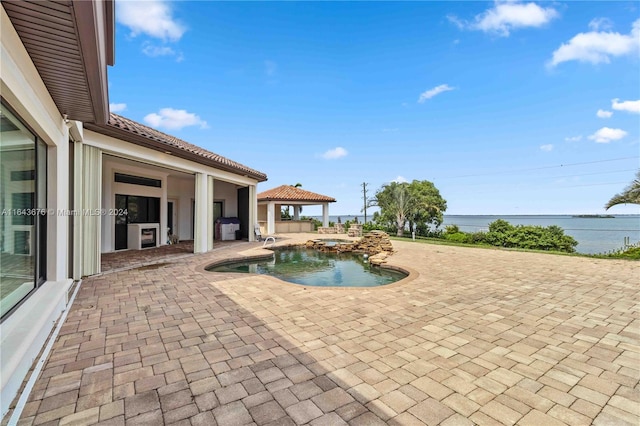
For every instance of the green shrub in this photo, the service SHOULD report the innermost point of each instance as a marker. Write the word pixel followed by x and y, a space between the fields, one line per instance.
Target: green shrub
pixel 478 238
pixel 316 223
pixel 631 253
pixel 503 234
pixel 451 229
pixel 457 237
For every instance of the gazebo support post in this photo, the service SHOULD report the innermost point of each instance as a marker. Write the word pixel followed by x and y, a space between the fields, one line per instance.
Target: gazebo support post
pixel 325 215
pixel 271 218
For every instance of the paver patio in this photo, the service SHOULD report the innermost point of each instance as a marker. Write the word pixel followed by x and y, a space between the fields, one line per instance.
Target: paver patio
pixel 478 337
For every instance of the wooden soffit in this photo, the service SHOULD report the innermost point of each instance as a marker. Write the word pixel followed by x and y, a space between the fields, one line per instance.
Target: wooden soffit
pixel 70 43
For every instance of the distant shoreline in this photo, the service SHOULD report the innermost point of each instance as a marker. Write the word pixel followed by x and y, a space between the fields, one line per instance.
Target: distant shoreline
pixel 565 215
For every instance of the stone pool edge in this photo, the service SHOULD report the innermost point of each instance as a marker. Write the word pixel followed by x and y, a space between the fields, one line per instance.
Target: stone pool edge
pixel 412 274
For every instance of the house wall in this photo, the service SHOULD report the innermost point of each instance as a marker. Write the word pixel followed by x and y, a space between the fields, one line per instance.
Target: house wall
pixel 110 188
pixel 226 192
pixel 262 212
pixel 179 190
pixel 224 187
pixel 182 191
pixel 24 332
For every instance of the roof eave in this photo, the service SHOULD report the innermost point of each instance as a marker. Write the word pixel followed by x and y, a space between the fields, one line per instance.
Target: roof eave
pixel 94 23
pixel 295 201
pixel 162 147
pixel 82 35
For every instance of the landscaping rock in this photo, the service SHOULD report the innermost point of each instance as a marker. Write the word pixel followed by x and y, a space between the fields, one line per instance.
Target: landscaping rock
pixel 376 244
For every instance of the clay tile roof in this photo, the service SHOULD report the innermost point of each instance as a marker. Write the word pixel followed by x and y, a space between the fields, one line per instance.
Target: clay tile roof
pixel 291 193
pixel 139 134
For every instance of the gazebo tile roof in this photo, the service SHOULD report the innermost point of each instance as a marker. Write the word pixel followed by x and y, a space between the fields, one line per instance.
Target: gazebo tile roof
pixel 291 193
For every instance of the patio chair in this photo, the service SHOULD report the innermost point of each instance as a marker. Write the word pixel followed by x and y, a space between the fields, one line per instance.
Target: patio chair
pixel 258 233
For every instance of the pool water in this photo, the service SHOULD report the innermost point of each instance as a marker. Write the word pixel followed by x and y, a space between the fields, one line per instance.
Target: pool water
pixel 330 243
pixel 309 267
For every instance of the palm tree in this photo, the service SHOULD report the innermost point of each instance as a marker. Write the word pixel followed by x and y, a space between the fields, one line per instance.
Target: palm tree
pixel 630 195
pixel 395 200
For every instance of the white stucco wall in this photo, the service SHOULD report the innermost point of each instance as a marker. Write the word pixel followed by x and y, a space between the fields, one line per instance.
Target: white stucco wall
pixel 182 191
pixel 227 192
pixel 23 334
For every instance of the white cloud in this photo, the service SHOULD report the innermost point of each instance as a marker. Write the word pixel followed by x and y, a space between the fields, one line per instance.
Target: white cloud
pixel 117 107
pixel 400 179
pixel 629 106
pixel 153 50
pixel 335 153
pixel 151 17
pixel 598 24
pixel 507 16
pixel 270 68
pixel 597 47
pixel 607 134
pixel 548 147
pixel 174 119
pixel 604 114
pixel 573 138
pixel 433 92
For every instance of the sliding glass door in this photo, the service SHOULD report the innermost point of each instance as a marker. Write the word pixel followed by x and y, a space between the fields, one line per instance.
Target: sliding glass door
pixel 23 208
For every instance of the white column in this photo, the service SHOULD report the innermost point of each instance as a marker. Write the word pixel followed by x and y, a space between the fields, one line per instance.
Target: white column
pixel 200 222
pixel 210 224
pixel 57 196
pixel 296 212
pixel 164 235
pixel 253 212
pixel 325 215
pixel 271 218
pixel 91 203
pixel 78 252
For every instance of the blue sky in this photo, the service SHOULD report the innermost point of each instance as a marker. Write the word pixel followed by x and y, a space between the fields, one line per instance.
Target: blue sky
pixel 508 107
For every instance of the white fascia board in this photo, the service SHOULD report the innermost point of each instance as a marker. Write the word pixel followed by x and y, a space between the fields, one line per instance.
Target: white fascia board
pixel 23 88
pixel 118 147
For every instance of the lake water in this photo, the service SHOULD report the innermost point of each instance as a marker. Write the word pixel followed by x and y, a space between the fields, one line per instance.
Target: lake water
pixel 594 235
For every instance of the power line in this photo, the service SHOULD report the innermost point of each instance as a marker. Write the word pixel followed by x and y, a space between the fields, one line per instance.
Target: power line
pixel 540 168
pixel 565 229
pixel 594 184
pixel 592 174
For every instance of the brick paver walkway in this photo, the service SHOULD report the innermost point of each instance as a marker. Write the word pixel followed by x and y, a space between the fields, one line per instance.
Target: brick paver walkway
pixel 479 337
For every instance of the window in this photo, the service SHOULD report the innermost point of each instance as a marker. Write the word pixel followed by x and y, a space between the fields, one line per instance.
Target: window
pixel 137 180
pixel 23 192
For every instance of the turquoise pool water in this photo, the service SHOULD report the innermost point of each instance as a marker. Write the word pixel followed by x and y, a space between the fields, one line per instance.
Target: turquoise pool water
pixel 313 268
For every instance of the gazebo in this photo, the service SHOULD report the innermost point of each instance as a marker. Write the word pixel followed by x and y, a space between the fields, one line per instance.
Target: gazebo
pixel 270 203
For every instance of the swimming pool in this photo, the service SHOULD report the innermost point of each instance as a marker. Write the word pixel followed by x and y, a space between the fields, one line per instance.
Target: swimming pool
pixel 310 267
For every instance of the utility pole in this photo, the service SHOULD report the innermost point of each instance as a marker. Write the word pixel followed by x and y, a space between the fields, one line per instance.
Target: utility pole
pixel 364 196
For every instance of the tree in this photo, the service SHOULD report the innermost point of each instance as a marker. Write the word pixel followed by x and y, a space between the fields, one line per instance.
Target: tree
pixel 395 202
pixel 418 203
pixel 630 195
pixel 428 207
